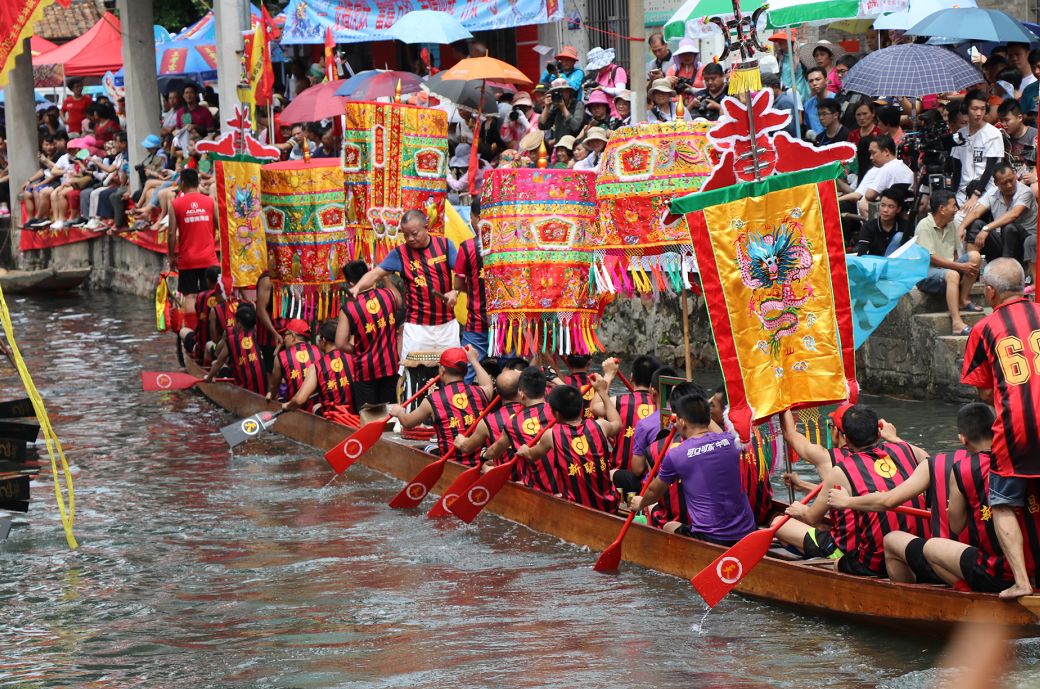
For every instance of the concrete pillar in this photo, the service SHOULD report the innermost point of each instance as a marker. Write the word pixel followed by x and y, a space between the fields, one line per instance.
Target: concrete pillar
pixel 143 108
pixel 637 58
pixel 232 19
pixel 22 135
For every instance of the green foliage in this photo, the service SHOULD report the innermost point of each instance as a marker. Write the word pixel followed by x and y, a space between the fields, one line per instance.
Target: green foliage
pixel 178 14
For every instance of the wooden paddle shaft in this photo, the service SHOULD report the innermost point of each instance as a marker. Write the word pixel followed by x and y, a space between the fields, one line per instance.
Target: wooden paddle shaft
pixel 686 335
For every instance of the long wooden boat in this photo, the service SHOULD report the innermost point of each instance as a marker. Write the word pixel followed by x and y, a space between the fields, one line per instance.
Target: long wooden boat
pixel 813 587
pixel 46 281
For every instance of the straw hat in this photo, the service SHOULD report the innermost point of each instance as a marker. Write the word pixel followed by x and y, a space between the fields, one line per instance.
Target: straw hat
pixel 568 52
pixel 598 58
pixel 625 95
pixel 560 84
pixel 532 140
pixel 565 142
pixel 523 98
pixel 662 85
pixel 805 53
pixel 596 134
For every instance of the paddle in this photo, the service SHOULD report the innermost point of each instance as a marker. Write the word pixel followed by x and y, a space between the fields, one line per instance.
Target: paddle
pixel 15 430
pixel 360 441
pixel 414 493
pixel 240 431
pixel 16 409
pixel 718 579
pixel 626 381
pixel 610 558
pixel 172 380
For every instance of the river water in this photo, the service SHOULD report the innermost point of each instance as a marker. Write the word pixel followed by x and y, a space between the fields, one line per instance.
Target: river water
pixel 202 569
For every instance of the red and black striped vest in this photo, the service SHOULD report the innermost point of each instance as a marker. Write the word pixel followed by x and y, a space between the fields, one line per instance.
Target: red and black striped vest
pixel 940 473
pixel 224 312
pixel 881 468
pixel 470 265
pixel 455 407
pixel 294 361
pixel 579 380
pixel 754 479
pixel 204 301
pixel 426 271
pixel 373 324
pixel 540 474
pixel 671 507
pixel 247 365
pixel 496 423
pixel 633 407
pixel 971 475
pixel 334 372
pixel 583 454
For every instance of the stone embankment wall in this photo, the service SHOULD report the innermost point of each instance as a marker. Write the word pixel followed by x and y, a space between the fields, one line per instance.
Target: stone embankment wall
pixel 118 264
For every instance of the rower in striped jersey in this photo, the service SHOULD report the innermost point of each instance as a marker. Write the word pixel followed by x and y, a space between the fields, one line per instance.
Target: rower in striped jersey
pixel 329 377
pixel 239 350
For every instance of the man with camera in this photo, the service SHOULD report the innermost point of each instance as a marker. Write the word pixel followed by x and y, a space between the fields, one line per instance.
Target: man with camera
pixel 520 120
pixel 564 67
pixel 562 114
pixel 707 103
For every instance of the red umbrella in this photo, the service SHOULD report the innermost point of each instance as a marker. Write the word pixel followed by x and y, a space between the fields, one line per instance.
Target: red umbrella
pixel 316 103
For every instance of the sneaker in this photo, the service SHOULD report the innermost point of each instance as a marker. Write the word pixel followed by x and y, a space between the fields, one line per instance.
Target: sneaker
pixel 29 223
pixel 92 224
pixel 78 223
pixel 57 225
pixel 40 223
pixel 5 212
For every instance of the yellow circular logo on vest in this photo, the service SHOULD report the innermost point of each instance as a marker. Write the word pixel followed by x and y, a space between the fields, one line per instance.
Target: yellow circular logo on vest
pixel 459 400
pixel 247 343
pixel 580 445
pixel 589 393
pixel 885 467
pixel 372 306
pixel 644 410
pixel 336 365
pixel 211 302
pixel 531 426
pixel 302 356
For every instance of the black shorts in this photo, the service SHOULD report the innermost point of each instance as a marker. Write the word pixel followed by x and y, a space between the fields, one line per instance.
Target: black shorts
pixel 850 565
pixel 192 281
pixel 977 578
pixel 915 559
pixel 819 544
pixel 376 391
pixel 687 530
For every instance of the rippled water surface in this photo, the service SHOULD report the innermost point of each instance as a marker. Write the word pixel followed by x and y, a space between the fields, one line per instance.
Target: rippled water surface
pixel 201 569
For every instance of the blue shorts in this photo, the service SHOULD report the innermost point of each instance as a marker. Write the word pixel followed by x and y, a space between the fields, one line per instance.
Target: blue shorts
pixel 935 281
pixel 1007 491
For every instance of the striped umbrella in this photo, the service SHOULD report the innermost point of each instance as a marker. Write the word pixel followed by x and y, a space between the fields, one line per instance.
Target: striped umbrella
pixel 689 20
pixel 912 71
pixel 783 13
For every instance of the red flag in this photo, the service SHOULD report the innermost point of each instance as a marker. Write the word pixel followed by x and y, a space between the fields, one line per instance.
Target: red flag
pixel 330 62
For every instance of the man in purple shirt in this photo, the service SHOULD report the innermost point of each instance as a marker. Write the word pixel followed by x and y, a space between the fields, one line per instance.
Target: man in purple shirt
pixel 708 464
pixel 649 426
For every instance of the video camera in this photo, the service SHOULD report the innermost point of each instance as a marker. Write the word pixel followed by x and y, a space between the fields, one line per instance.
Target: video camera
pixel 926 151
pixel 683 85
pixel 554 67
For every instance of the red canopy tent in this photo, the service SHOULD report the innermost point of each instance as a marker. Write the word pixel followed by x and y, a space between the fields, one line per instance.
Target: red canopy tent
pixel 97 51
pixel 40 45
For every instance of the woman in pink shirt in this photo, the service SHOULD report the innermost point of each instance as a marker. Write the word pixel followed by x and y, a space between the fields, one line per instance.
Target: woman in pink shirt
pixel 610 78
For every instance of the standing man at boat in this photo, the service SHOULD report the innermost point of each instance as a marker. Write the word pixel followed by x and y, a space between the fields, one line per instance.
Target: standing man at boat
pixel 1002 360
pixel 267 333
pixel 367 329
pixel 869 462
pixel 425 263
pixel 238 348
pixel 708 463
pixel 581 445
pixel 189 241
pixel 632 406
pixel 469 277
pixel 330 376
pixel 454 406
pixel 296 355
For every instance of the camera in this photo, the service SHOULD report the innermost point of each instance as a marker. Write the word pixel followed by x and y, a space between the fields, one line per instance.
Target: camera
pixel 514 115
pixel 557 96
pixel 928 148
pixel 553 68
pixel 683 85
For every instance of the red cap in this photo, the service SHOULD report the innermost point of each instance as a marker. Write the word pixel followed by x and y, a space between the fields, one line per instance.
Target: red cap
pixel 838 414
pixel 454 358
pixel 298 327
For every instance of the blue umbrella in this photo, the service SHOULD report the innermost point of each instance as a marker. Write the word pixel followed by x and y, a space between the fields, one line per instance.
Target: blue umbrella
pixel 428 26
pixel 911 70
pixel 973 24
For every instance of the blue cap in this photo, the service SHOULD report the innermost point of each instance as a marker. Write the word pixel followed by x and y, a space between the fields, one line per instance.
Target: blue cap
pixel 151 141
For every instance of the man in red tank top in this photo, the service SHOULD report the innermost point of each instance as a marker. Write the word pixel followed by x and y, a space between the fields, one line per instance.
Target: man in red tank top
pixel 329 377
pixel 190 240
pixel 581 446
pixel 1002 360
pixel 367 329
pixel 296 355
pixel 872 462
pixel 425 264
pixel 454 406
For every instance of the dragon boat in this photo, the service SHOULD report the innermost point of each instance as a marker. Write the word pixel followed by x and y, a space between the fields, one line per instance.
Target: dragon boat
pixel 810 586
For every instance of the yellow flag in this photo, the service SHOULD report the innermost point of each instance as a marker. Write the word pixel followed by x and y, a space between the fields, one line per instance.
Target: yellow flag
pixel 457 230
pixel 252 69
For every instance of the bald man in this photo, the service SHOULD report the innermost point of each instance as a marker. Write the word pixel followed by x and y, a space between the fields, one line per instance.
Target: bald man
pixel 507 384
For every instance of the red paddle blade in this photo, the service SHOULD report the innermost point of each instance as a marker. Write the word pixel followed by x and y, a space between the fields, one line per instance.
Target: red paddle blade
pixel 413 494
pixel 462 482
pixel 162 380
pixel 718 579
pixel 610 558
pixel 470 503
pixel 355 445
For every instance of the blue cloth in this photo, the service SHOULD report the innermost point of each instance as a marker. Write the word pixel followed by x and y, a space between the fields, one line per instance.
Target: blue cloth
pixel 575 79
pixel 784 102
pixel 812 117
pixel 1030 95
pixel 392 263
pixel 877 284
pixel 479 342
pixel 800 84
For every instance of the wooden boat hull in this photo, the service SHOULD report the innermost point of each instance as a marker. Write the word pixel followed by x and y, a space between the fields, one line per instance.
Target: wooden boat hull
pixel 917 609
pixel 49 281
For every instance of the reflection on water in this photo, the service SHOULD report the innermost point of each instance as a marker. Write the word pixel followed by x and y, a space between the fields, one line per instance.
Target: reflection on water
pixel 201 569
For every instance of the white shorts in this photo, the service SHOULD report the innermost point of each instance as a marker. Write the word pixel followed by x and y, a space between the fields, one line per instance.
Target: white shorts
pixel 428 338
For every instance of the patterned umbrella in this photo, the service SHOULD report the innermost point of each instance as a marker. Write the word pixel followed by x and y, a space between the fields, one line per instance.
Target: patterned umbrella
pixel 378 83
pixel 911 70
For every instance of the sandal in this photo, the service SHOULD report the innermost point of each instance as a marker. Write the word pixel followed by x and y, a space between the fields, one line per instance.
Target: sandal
pixel 972 307
pixel 965 331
